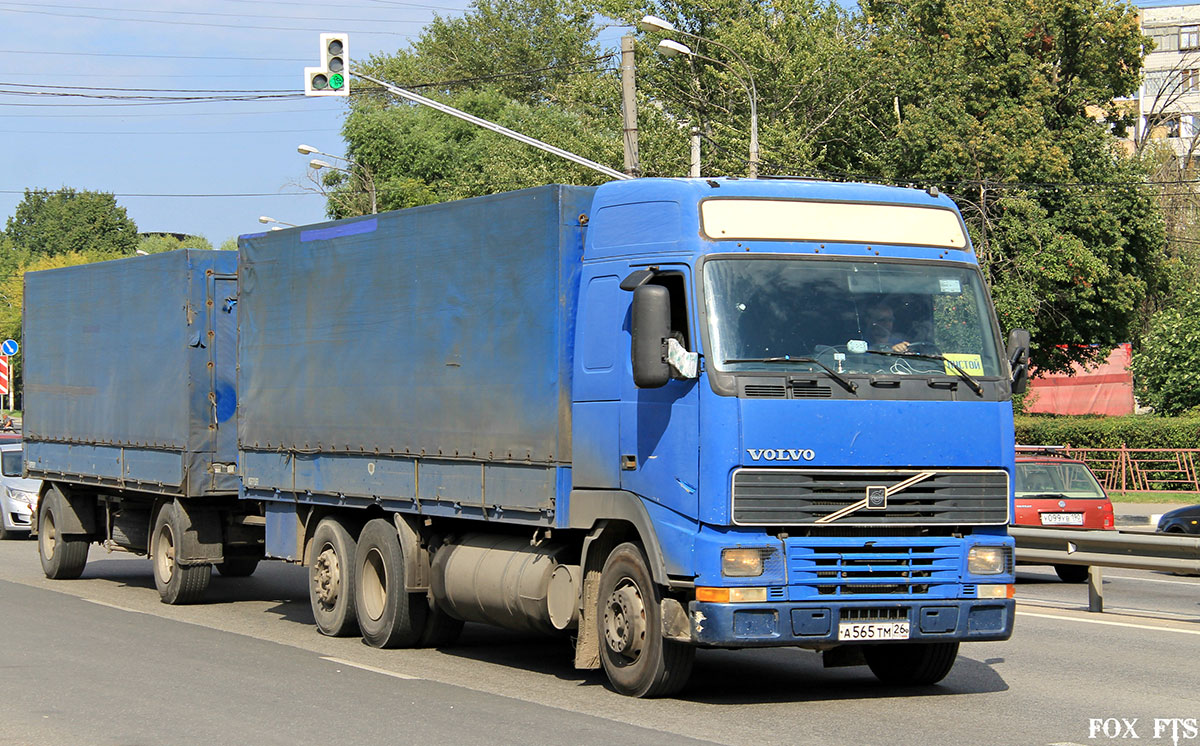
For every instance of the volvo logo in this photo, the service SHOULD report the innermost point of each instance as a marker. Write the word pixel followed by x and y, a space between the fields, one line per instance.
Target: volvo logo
pixel 781 454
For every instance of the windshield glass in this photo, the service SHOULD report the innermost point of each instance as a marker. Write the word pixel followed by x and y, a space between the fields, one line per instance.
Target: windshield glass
pixel 843 313
pixel 10 463
pixel 1066 479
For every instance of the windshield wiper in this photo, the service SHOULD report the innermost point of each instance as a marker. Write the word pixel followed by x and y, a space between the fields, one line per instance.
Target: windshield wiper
pixel 849 385
pixel 962 373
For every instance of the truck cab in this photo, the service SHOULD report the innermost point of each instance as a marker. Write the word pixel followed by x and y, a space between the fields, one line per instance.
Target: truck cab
pixel 802 386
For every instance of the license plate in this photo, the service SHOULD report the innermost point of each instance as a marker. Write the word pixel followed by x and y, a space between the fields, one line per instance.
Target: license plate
pixel 1062 519
pixel 873 631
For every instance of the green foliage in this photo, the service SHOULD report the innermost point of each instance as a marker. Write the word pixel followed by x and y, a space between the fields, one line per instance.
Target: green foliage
pixel 989 99
pixel 1166 370
pixel 158 243
pixel 230 244
pixel 47 223
pixel 1134 431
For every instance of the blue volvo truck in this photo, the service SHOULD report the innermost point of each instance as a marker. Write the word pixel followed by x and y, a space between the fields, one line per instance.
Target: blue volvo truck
pixel 656 415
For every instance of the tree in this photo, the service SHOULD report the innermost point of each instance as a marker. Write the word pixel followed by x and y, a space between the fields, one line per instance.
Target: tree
pixel 1166 369
pixel 987 99
pixel 47 223
pixel 156 243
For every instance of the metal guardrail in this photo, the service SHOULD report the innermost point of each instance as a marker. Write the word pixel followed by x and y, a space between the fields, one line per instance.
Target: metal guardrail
pixel 1096 549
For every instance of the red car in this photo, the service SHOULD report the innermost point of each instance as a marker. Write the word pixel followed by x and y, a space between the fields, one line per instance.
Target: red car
pixel 1055 491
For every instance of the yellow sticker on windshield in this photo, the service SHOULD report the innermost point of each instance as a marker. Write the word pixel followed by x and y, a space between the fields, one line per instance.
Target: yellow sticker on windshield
pixel 972 364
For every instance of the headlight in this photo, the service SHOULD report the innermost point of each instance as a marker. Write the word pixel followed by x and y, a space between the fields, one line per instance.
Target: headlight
pixel 742 563
pixel 987 560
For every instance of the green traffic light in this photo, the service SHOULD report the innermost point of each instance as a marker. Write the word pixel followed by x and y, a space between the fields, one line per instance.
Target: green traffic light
pixel 336 81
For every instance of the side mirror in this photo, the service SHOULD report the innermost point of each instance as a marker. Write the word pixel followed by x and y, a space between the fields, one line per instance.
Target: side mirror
pixel 1018 359
pixel 650 325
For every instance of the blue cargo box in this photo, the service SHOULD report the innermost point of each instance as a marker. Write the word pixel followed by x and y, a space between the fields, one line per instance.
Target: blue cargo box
pixel 420 359
pixel 129 373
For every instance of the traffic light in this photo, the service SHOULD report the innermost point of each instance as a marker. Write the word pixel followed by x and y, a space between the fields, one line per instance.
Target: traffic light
pixel 332 78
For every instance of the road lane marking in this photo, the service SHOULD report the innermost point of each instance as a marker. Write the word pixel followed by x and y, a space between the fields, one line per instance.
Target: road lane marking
pixel 372 669
pixel 111 606
pixel 1152 580
pixel 1053 603
pixel 1107 623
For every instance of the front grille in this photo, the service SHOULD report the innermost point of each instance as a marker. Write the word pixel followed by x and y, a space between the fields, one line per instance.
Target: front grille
pixel 873 568
pixel 777 497
pixel 811 392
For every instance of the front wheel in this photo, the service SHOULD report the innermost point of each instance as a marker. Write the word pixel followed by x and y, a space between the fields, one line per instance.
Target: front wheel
pixel 911 664
pixel 636 658
pixel 176 583
pixel 63 557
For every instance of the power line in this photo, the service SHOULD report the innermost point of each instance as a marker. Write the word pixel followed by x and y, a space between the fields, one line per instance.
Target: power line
pixel 241 26
pixel 207 57
pixel 202 13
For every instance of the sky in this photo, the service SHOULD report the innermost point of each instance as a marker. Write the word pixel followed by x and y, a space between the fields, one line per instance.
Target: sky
pixel 56 56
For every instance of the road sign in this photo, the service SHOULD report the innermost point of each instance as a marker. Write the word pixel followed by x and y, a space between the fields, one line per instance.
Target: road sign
pixel 4 372
pixel 10 347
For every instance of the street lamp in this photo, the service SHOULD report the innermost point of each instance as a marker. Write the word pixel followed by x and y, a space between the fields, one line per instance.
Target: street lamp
pixel 669 48
pixel 264 219
pixel 362 172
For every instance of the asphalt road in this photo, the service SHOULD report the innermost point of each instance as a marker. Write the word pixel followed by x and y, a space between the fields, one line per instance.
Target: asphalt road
pixel 101 661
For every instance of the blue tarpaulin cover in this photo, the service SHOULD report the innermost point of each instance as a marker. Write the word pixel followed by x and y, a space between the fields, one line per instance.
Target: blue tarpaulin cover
pixel 442 330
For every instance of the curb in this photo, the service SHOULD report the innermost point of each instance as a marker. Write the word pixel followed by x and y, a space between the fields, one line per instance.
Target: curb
pixel 1137 520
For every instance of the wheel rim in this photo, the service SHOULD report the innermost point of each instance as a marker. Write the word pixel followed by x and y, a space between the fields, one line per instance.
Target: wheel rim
pixel 164 557
pixel 625 621
pixel 373 583
pixel 327 578
pixel 48 536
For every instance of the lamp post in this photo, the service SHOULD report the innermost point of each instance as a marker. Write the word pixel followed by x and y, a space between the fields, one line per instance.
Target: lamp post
pixel 265 219
pixel 355 169
pixel 670 48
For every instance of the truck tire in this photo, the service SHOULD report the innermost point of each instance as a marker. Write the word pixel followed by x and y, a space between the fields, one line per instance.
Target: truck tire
pixel 331 579
pixel 1072 573
pixel 63 557
pixel 237 567
pixel 388 616
pixel 176 583
pixel 911 664
pixel 636 658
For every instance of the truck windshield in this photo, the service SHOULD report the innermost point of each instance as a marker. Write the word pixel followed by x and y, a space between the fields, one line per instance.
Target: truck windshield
pixel 764 311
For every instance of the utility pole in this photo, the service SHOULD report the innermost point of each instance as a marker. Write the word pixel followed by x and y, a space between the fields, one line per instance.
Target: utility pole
pixel 695 170
pixel 629 106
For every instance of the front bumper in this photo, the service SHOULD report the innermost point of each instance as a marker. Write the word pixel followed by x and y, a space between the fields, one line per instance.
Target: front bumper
pixel 816 624
pixel 16 514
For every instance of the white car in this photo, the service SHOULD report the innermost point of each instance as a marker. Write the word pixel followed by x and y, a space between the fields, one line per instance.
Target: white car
pixel 18 496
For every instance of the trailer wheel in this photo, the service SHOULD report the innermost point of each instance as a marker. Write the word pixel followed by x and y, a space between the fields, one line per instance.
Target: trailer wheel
pixel 636 658
pixel 1072 573
pixel 63 557
pixel 911 664
pixel 331 579
pixel 176 583
pixel 388 616
pixel 237 567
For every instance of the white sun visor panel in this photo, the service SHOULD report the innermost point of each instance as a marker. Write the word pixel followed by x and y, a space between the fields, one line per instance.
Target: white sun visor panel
pixel 831 222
